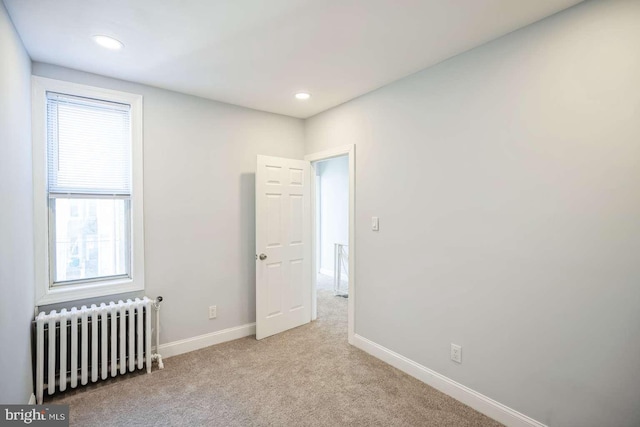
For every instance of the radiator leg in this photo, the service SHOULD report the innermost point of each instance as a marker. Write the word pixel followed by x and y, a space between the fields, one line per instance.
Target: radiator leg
pixel 156 356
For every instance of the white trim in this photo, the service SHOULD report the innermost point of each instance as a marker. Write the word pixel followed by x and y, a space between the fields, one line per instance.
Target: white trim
pixel 472 398
pixel 32 399
pixel 45 293
pixel 330 153
pixel 350 151
pixel 201 341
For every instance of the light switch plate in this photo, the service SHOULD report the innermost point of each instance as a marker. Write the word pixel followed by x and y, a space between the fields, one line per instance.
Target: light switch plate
pixel 456 353
pixel 375 223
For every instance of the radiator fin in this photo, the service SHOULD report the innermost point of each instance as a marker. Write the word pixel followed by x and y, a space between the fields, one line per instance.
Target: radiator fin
pixel 63 349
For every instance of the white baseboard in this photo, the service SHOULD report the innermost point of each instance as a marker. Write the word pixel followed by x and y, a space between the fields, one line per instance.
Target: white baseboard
pixel 32 399
pixel 195 343
pixel 477 401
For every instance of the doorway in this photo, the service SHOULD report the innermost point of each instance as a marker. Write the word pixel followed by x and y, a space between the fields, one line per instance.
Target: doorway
pixel 287 258
pixel 333 207
pixel 332 226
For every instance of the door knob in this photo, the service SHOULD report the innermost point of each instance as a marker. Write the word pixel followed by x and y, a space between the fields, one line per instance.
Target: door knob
pixel 262 257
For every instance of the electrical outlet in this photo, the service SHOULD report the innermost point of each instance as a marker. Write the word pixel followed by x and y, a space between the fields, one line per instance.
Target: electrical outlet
pixel 456 353
pixel 213 312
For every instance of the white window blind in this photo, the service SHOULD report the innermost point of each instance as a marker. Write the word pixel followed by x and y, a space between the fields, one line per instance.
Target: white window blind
pixel 88 146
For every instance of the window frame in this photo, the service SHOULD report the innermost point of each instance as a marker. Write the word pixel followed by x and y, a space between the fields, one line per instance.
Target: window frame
pixel 46 292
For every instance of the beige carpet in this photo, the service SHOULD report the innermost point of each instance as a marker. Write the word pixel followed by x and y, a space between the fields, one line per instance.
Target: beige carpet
pixel 308 376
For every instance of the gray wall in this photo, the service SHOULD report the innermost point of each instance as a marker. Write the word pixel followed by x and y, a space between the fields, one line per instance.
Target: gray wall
pixel 16 217
pixel 199 165
pixel 506 182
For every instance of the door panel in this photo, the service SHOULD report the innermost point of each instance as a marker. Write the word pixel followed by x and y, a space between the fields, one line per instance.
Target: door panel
pixel 283 218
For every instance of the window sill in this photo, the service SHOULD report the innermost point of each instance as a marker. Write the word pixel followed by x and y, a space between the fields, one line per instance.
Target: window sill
pixel 68 293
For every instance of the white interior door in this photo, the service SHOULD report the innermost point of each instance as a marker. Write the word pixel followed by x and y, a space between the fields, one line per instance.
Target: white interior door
pixel 283 245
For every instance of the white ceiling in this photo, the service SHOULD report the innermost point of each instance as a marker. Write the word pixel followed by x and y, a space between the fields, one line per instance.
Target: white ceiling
pixel 258 53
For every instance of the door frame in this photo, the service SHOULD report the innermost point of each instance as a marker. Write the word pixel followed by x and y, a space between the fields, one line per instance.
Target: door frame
pixel 350 152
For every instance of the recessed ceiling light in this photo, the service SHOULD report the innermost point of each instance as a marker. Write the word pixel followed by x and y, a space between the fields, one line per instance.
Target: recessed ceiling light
pixel 303 95
pixel 108 42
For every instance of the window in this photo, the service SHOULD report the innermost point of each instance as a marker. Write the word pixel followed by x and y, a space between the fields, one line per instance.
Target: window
pixel 88 191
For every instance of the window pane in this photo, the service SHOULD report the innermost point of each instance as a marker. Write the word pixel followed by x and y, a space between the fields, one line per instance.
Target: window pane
pixel 88 146
pixel 90 238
